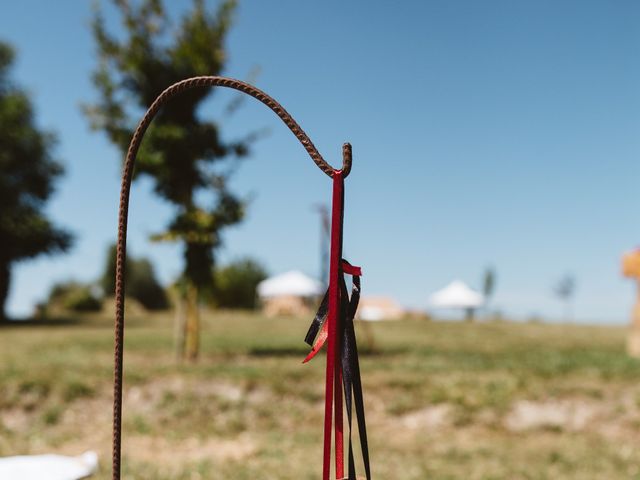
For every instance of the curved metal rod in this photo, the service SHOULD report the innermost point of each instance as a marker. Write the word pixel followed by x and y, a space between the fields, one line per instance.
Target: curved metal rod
pixel 164 97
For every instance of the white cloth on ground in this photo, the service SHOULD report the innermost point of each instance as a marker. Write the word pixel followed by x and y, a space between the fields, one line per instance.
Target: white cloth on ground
pixel 48 467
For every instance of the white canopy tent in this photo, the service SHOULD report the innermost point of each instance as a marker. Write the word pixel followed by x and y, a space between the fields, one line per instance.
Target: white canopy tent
pixel 374 309
pixel 292 283
pixel 456 295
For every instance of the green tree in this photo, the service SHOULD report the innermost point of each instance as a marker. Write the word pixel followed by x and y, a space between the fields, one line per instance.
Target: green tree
pixel 144 286
pixel 73 296
pixel 141 282
pixel 488 286
pixel 27 175
pixel 565 290
pixel 236 283
pixel 183 154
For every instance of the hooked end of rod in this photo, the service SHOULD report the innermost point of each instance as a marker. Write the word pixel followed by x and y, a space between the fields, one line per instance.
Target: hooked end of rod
pixel 346 159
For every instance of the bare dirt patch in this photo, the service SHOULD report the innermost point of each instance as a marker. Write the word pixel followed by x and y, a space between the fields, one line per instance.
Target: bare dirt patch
pixel 572 415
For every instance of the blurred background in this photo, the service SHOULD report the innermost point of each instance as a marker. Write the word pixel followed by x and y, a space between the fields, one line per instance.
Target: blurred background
pixel 490 204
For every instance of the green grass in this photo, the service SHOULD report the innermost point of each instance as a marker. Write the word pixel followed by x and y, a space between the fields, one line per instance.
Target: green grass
pixel 445 400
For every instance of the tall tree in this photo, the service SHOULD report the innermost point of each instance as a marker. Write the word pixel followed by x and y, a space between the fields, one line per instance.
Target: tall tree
pixel 27 175
pixel 488 286
pixel 565 290
pixel 183 154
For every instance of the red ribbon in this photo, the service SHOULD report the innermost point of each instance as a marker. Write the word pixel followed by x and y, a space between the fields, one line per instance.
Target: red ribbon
pixel 327 328
pixel 333 380
pixel 329 334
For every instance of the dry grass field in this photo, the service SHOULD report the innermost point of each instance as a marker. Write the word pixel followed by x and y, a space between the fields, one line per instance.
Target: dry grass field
pixel 444 400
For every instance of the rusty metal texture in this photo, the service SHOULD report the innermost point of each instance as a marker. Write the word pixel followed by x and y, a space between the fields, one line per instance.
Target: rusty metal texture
pixel 163 98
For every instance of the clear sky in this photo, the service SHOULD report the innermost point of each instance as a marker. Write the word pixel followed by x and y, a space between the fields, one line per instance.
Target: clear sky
pixel 484 133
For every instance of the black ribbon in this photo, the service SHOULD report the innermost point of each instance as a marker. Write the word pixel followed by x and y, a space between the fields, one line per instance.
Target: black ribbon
pixel 349 363
pixel 318 320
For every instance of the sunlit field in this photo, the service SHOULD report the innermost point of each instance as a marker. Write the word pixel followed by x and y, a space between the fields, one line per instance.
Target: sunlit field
pixel 444 400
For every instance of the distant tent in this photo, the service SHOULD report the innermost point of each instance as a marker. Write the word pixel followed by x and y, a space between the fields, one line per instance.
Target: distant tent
pixel 456 295
pixel 293 283
pixel 373 309
pixel 290 293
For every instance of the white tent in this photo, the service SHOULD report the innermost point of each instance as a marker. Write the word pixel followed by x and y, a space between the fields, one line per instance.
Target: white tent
pixel 48 467
pixel 456 295
pixel 373 309
pixel 293 283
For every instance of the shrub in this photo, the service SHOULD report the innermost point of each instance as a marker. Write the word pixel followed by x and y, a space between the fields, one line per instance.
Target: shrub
pixel 141 283
pixel 235 285
pixel 75 297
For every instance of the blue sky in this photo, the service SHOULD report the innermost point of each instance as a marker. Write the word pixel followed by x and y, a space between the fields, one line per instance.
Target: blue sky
pixel 485 133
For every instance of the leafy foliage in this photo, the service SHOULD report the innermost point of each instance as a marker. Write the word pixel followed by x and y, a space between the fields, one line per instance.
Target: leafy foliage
pixel 183 154
pixel 488 282
pixel 75 297
pixel 140 282
pixel 27 175
pixel 565 288
pixel 180 151
pixel 235 284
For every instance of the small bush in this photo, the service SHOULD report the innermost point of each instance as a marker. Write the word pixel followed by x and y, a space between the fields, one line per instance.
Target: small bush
pixel 77 389
pixel 82 300
pixel 235 285
pixel 75 297
pixel 52 415
pixel 140 283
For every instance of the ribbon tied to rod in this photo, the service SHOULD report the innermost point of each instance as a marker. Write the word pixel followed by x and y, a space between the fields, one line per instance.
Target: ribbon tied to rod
pixel 333 325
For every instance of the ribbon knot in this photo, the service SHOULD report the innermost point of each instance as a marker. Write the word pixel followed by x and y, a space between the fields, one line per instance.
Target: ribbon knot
pixel 318 331
pixel 348 369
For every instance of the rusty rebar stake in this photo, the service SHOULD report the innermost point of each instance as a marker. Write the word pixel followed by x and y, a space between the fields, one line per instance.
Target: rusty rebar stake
pixel 173 91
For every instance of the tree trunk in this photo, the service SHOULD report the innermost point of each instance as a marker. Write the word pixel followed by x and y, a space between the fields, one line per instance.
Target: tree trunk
pixel 180 324
pixel 469 315
pixel 5 278
pixel 192 324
